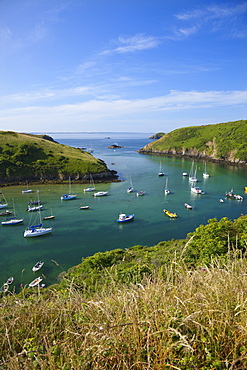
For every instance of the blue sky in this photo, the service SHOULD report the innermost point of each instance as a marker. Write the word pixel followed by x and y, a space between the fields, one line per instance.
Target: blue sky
pixel 121 65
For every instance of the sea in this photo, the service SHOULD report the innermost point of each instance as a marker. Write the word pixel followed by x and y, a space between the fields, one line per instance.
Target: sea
pixel 80 233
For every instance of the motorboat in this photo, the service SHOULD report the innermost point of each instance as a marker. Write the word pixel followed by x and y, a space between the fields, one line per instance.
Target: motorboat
pixel 100 193
pixel 188 206
pixel 37 266
pixel 84 207
pixel 125 218
pixel 140 193
pixel 170 214
pixel 231 195
pixel 185 174
pixel 196 190
pixel 36 281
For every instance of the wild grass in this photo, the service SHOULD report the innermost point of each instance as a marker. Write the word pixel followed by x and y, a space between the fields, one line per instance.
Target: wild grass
pixel 179 319
pixel 221 140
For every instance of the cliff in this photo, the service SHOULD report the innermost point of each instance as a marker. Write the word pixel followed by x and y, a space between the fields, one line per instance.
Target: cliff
pixel 223 142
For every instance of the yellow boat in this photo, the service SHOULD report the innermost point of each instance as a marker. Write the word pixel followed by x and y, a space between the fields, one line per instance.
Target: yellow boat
pixel 170 214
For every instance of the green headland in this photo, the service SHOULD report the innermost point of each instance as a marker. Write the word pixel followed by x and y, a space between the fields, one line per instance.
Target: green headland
pixel 38 158
pixel 223 142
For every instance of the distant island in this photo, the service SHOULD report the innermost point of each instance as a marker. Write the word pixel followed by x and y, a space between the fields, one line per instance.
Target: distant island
pixel 222 142
pixel 115 146
pixel 39 158
pixel 157 136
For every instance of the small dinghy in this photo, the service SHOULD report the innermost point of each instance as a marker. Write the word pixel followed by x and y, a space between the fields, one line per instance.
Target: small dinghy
pixel 36 281
pixel 38 266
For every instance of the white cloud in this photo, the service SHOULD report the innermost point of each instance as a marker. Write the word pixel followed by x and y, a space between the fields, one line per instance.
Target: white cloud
pixel 134 43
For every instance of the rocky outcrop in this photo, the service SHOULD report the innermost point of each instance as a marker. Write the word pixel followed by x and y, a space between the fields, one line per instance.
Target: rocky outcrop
pixel 194 153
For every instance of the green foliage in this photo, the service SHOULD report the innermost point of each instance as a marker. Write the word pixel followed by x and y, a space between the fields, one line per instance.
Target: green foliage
pixel 221 140
pixel 180 304
pixel 38 157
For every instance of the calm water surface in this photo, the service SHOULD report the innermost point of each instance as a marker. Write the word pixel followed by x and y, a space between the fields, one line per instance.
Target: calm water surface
pixel 80 233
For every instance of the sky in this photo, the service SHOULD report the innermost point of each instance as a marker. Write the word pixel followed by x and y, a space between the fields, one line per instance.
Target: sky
pixel 121 65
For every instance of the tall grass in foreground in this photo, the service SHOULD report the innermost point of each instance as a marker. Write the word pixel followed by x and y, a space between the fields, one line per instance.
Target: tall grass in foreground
pixel 179 319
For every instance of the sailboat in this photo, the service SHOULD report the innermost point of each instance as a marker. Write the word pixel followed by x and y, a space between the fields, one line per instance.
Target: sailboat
pixel 37 229
pixel 205 173
pixel 160 171
pixel 167 191
pixel 192 174
pixel 91 187
pixel 130 189
pixel 68 196
pixel 27 190
pixel 12 220
pixel 51 217
pixel 3 201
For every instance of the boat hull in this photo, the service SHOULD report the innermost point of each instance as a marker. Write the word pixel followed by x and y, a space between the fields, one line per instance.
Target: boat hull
pixel 30 233
pixel 126 218
pixel 12 222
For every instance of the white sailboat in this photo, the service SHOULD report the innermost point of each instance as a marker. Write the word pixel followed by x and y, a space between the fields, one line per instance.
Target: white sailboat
pixel 167 191
pixel 69 195
pixel 130 189
pixel 27 190
pixel 12 220
pixel 3 201
pixel 205 173
pixel 92 186
pixel 161 173
pixel 37 229
pixel 192 174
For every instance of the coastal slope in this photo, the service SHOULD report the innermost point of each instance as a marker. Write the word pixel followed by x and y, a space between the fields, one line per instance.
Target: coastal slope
pixel 222 142
pixel 39 158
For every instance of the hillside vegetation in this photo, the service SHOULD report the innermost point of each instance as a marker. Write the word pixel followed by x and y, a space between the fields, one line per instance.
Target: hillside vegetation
pixel 40 158
pixel 181 304
pixel 221 142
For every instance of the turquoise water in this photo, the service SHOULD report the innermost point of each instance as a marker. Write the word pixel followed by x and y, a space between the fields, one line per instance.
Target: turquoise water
pixel 79 233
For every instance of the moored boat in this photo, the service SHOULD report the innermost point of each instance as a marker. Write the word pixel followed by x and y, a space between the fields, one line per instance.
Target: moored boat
pixel 92 186
pixel 140 193
pixel 13 220
pixel 10 280
pixel 37 266
pixel 100 193
pixel 38 229
pixel 70 195
pixel 170 214
pixel 125 218
pixel 196 190
pixel 5 213
pixel 3 201
pixel 36 281
pixel 188 206
pixel 231 195
pixel 27 190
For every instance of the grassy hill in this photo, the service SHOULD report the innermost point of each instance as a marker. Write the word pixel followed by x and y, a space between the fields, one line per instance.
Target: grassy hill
pixel 40 158
pixel 221 142
pixel 178 305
